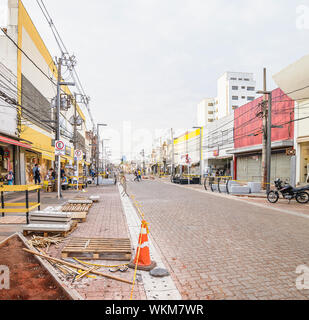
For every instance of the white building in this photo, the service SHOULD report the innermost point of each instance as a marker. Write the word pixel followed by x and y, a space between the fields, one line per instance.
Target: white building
pixel 234 89
pixel 293 80
pixel 218 138
pixel 206 112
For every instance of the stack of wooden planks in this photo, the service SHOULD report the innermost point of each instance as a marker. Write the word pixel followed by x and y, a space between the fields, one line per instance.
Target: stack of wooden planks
pixel 98 248
pixel 77 206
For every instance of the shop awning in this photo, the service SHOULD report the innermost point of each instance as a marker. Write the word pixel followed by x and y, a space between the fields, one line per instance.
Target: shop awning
pixel 15 142
pixel 45 154
pixel 48 156
pixel 293 80
pixel 64 158
pixel 258 147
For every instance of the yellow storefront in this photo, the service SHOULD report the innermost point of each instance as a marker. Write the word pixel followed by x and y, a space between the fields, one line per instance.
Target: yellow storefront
pixel 41 153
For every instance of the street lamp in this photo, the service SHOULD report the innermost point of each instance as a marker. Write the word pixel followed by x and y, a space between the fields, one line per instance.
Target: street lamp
pixel 98 146
pixel 201 150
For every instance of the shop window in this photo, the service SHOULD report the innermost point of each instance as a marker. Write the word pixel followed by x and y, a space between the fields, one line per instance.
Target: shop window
pixel 6 161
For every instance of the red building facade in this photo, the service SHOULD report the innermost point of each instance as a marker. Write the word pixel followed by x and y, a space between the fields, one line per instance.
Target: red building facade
pixel 248 137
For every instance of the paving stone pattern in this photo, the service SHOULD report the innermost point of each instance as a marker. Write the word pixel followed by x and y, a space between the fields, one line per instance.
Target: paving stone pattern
pixel 220 248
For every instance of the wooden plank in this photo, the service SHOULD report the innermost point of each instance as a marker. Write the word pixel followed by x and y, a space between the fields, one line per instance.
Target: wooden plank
pixel 78 266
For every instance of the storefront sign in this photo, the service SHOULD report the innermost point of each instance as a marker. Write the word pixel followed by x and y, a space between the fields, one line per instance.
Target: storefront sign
pixel 68 151
pixel 6 154
pixel 290 151
pixel 216 153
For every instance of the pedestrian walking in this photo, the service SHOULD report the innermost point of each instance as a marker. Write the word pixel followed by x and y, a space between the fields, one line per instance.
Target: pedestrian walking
pixel 10 178
pixel 136 175
pixel 139 175
pixel 37 174
pixel 62 173
pixel 53 174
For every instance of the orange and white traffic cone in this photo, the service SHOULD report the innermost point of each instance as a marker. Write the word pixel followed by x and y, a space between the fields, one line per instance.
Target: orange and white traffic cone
pixel 142 258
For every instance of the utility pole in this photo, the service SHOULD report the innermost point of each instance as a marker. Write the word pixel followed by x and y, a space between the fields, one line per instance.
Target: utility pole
pixel 143 154
pixel 173 153
pixel 267 126
pixel 201 151
pixel 75 122
pixel 264 134
pixel 75 139
pixel 98 153
pixel 98 149
pixel 103 168
pixel 58 159
pixel 58 107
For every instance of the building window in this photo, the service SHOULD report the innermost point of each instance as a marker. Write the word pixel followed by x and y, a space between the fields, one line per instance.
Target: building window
pixel 243 87
pixel 234 87
pixel 233 78
pixel 243 97
pixel 250 98
pixel 234 97
pixel 246 79
pixel 240 79
pixel 210 104
pixel 250 88
pixel 210 112
pixel 210 120
pixel 234 107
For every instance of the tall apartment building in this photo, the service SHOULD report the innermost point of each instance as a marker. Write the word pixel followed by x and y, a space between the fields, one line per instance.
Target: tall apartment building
pixel 234 89
pixel 206 111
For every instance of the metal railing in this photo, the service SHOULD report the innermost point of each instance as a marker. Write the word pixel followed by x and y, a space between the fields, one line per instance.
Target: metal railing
pixel 217 183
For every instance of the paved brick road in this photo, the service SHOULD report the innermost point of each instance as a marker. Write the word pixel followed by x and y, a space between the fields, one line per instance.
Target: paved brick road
pixel 220 248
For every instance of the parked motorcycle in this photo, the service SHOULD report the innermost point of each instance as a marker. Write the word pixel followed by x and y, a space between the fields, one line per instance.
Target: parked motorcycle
pixel 288 192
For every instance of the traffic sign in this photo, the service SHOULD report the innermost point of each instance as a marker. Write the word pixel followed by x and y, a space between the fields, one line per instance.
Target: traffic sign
pixel 59 148
pixel 78 154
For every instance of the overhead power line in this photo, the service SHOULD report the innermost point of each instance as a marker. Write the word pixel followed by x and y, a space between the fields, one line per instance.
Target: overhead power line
pixel 64 51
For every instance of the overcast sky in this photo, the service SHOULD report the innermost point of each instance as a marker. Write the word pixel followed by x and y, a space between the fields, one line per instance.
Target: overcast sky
pixel 152 61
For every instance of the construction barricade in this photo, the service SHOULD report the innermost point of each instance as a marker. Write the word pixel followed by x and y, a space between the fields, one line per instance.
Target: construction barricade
pixel 17 206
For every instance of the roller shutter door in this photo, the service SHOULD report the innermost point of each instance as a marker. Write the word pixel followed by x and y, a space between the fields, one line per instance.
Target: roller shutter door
pixel 280 167
pixel 249 168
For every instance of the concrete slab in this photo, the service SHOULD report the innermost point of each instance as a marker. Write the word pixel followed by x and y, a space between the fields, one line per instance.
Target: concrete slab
pixel 50 214
pixel 239 189
pixel 48 227
pixel 255 187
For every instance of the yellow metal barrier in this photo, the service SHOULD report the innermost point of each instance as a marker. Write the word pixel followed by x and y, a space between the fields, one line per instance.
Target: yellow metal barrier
pixel 15 207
